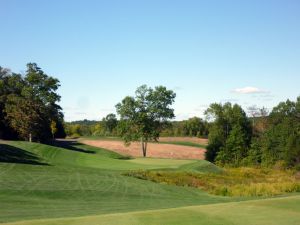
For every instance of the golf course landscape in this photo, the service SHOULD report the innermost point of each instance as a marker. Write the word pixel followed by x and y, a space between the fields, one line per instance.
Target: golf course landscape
pixel 152 112
pixel 80 184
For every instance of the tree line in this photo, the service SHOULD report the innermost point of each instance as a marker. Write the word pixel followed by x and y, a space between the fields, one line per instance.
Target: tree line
pixel 265 139
pixel 29 107
pixel 108 126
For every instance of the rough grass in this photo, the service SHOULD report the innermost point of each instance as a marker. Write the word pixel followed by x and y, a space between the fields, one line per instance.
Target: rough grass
pixel 243 182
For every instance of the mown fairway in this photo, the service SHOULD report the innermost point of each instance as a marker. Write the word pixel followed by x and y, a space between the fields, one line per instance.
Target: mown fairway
pixel 84 180
pixel 261 212
pixel 85 185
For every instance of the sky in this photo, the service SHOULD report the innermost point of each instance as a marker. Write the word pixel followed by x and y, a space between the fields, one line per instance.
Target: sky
pixel 245 52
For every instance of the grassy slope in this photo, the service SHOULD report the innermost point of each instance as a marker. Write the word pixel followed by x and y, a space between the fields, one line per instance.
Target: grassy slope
pixel 184 143
pixel 87 181
pixel 262 212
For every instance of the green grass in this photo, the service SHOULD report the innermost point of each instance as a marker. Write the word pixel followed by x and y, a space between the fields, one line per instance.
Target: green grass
pixel 79 184
pixel 263 212
pixel 85 181
pixel 184 143
pixel 101 138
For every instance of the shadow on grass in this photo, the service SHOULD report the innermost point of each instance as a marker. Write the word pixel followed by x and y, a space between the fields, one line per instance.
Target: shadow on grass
pixel 70 145
pixel 11 154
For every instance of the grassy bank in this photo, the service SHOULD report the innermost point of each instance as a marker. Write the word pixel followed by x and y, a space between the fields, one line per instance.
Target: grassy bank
pixel 243 182
pixel 184 143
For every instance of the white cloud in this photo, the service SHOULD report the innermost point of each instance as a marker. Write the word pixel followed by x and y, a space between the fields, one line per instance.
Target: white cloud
pixel 248 90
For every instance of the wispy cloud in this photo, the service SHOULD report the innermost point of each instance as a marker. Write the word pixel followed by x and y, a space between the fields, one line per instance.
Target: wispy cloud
pixel 249 90
pixel 177 88
pixel 229 100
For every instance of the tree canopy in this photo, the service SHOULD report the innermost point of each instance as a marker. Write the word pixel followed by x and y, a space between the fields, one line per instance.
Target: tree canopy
pixel 144 116
pixel 229 135
pixel 28 105
pixel 274 139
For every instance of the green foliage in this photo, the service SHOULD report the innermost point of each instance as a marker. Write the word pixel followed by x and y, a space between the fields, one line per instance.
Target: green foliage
pixel 276 137
pixel 106 127
pixel 10 83
pixel 229 134
pixel 254 154
pixel 235 148
pixel 25 117
pixel 28 104
pixel 194 127
pixel 281 141
pixel 144 116
pixel 110 123
pixel 170 129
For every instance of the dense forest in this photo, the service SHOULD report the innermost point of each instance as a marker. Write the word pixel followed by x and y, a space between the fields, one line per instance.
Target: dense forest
pixel 273 139
pixel 28 105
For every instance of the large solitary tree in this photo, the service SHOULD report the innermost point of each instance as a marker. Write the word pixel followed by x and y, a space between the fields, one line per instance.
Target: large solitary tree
pixel 143 117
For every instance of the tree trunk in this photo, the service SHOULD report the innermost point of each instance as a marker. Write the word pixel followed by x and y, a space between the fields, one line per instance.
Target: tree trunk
pixel 30 137
pixel 144 147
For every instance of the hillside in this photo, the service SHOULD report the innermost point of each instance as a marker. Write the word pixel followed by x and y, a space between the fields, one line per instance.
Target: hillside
pixel 79 180
pixel 80 184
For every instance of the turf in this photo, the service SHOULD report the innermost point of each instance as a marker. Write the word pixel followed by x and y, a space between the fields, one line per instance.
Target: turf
pixel 77 184
pixel 262 212
pixel 184 143
pixel 79 180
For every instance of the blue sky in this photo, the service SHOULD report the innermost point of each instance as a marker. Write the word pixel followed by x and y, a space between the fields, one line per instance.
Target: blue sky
pixel 246 52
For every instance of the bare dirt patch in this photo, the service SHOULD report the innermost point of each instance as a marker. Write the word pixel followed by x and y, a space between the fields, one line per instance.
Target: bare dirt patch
pixel 155 150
